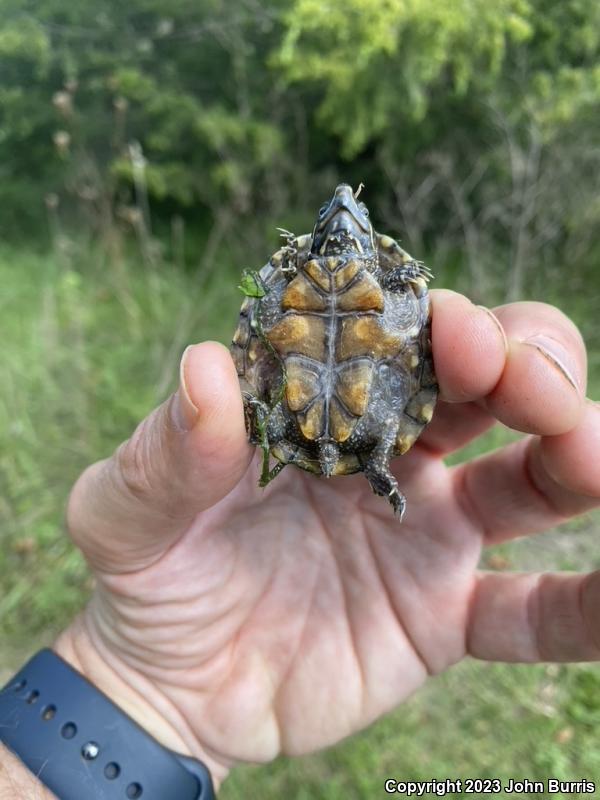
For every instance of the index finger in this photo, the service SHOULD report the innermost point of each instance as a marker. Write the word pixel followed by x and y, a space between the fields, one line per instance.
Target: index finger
pixel 524 366
pixel 469 352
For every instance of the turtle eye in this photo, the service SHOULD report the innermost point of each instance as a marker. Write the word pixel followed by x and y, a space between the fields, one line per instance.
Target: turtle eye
pixel 323 209
pixel 364 209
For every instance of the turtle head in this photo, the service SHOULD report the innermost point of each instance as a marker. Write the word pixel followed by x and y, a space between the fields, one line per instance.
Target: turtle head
pixel 343 226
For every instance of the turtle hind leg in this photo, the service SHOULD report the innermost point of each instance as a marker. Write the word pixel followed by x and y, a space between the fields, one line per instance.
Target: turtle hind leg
pixel 267 475
pixel 264 425
pixel 376 467
pixel 267 427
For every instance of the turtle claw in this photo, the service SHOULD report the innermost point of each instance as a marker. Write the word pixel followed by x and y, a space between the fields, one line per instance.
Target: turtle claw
pixel 384 484
pixel 398 502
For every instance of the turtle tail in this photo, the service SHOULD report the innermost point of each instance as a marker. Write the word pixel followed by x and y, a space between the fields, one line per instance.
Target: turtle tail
pixel 329 454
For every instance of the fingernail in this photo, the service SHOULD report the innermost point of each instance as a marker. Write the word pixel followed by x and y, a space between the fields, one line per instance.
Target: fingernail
pixel 496 322
pixel 183 411
pixel 556 354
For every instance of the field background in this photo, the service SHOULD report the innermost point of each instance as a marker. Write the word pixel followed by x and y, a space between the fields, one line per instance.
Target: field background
pixel 147 155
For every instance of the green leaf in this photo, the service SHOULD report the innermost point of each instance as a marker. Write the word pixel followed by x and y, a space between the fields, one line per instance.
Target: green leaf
pixel 252 285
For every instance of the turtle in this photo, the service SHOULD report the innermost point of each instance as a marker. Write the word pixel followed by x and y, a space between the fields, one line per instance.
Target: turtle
pixel 333 350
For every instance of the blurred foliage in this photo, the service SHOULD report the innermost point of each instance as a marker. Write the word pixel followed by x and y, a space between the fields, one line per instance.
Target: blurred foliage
pixel 85 357
pixel 378 61
pixel 473 124
pixel 383 64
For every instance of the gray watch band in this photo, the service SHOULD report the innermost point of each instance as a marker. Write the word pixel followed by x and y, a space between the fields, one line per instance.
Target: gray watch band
pixel 81 745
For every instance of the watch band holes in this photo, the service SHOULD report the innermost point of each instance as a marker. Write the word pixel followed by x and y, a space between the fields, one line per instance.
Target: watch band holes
pixel 68 730
pixel 48 713
pixel 112 771
pixel 18 687
pixel 90 751
pixel 134 790
pixel 32 697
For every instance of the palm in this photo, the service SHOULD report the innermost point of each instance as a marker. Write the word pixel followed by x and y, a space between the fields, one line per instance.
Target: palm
pixel 306 598
pixel 281 620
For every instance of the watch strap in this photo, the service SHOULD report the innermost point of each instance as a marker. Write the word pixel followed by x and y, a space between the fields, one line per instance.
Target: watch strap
pixel 81 745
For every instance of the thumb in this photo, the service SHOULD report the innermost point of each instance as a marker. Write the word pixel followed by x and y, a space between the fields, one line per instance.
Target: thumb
pixel 126 511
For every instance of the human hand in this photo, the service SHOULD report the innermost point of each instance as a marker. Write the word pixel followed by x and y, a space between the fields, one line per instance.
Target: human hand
pixel 237 623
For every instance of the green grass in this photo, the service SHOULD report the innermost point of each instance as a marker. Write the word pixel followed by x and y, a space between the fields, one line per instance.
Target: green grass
pixel 89 346
pixel 86 354
pixel 478 720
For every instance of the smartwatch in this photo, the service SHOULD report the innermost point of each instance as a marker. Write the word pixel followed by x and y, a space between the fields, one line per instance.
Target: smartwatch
pixel 82 746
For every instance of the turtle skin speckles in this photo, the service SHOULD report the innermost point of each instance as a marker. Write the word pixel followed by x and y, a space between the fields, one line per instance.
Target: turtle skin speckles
pixel 333 351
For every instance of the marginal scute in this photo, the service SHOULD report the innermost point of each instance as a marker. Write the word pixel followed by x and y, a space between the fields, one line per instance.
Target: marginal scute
pixel 404 441
pixel 408 433
pixel 426 412
pixel 347 464
pixel 364 294
pixel 312 421
pixel 302 296
pixel 241 336
pixel 254 350
pixel 353 385
pixel 304 241
pixel 298 333
pixel 341 423
pixel 420 406
pixel 296 455
pixel 239 360
pixel 302 384
pixel 366 336
pixel 392 251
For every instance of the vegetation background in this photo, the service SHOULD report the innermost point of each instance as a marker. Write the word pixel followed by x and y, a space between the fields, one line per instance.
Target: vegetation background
pixel 148 150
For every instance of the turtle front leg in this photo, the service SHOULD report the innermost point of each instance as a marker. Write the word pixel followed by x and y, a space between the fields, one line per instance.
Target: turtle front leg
pixel 411 272
pixel 376 467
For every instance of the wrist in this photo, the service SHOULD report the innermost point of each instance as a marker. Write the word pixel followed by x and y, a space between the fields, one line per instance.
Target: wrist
pixel 135 694
pixel 17 782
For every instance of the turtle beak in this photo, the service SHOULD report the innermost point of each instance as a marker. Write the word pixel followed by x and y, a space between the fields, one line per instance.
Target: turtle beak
pixel 343 226
pixel 343 193
pixel 344 205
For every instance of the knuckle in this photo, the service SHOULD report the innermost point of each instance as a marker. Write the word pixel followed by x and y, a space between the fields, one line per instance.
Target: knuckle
pixel 147 471
pixel 562 321
pixel 527 318
pixel 132 461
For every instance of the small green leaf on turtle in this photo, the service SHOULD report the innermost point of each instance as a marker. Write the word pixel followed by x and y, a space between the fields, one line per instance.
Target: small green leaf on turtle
pixel 251 284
